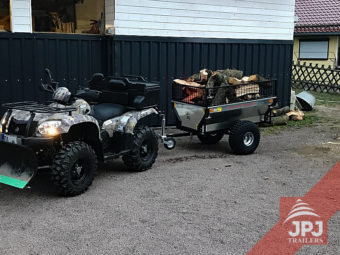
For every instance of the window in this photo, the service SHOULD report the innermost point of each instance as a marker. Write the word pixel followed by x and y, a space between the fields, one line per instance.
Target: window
pixel 5 20
pixel 68 16
pixel 314 49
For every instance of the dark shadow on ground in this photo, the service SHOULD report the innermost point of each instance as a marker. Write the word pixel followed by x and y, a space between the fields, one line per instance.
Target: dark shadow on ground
pixel 41 184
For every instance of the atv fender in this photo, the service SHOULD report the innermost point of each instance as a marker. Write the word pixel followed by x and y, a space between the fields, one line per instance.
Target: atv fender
pixel 127 122
pixel 69 121
pixel 18 165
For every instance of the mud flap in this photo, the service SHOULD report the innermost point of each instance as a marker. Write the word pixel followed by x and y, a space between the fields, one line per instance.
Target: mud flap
pixel 18 165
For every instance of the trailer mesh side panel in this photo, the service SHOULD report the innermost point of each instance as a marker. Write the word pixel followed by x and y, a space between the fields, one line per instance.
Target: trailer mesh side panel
pixel 225 94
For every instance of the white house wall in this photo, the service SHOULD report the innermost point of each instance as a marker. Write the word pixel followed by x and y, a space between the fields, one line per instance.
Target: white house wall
pixel 21 19
pixel 234 19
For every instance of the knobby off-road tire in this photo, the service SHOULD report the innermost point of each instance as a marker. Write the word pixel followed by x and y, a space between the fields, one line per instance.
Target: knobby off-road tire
pixel 210 138
pixel 244 137
pixel 74 168
pixel 144 150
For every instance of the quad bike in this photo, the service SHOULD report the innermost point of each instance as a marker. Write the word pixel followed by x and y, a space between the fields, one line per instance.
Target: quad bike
pixel 72 133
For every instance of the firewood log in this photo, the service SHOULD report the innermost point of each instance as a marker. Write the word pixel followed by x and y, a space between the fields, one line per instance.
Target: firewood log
pixel 234 81
pixel 194 78
pixel 232 73
pixel 192 93
pixel 203 76
pixel 245 79
pixel 281 111
pixel 280 120
pixel 256 78
pixel 221 96
pixel 187 83
pixel 217 79
pixel 296 115
pixel 253 78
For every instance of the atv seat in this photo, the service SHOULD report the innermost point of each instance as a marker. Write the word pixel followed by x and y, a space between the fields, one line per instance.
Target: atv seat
pixel 104 112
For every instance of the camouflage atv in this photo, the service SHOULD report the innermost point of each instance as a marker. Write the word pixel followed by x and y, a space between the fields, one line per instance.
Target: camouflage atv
pixel 72 133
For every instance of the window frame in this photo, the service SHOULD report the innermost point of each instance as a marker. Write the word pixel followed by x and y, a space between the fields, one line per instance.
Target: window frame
pixel 74 23
pixel 314 40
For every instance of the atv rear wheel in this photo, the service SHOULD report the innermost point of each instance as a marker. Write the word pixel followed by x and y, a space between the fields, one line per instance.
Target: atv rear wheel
pixel 74 168
pixel 244 137
pixel 211 138
pixel 144 150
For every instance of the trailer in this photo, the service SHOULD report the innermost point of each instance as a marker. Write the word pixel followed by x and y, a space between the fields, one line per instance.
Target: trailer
pixel 211 113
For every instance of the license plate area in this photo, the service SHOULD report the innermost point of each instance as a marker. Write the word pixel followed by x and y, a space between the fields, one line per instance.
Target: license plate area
pixel 10 139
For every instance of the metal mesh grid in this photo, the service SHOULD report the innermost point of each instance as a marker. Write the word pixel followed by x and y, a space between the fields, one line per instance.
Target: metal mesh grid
pixel 225 94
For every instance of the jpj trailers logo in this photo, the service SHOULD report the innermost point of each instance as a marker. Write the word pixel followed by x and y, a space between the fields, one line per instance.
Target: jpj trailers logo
pixel 302 223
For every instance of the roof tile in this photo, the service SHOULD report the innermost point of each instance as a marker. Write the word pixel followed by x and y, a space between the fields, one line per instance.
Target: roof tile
pixel 317 16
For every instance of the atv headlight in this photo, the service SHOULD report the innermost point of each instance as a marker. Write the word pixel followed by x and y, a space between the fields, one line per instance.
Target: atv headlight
pixel 2 122
pixel 3 119
pixel 49 128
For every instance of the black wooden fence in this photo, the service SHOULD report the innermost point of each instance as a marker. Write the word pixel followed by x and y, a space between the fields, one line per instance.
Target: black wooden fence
pixel 165 59
pixel 74 58
pixel 315 77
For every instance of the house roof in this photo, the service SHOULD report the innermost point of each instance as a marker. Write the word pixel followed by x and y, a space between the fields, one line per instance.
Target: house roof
pixel 317 16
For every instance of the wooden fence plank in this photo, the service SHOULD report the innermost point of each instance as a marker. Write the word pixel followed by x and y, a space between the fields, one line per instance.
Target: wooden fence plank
pixel 313 77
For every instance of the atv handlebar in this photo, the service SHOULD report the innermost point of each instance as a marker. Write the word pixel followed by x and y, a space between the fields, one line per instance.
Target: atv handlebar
pixel 51 85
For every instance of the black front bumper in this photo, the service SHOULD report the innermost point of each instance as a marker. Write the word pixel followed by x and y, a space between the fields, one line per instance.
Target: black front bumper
pixel 19 162
pixel 41 147
pixel 37 142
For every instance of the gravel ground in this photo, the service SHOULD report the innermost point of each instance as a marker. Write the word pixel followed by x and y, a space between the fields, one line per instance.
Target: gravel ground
pixel 196 200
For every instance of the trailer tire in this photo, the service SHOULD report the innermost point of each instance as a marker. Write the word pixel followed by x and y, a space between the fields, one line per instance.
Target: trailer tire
pixel 244 137
pixel 169 143
pixel 144 151
pixel 211 138
pixel 74 168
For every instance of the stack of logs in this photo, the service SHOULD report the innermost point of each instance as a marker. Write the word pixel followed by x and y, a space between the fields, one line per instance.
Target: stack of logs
pixel 224 86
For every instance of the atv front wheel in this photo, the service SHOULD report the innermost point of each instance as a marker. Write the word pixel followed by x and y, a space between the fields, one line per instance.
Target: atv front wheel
pixel 74 169
pixel 144 150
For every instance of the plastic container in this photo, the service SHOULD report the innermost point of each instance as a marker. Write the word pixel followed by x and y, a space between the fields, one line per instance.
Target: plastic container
pixel 306 100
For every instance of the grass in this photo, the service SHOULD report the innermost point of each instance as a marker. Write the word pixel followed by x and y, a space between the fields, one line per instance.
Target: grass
pixel 311 118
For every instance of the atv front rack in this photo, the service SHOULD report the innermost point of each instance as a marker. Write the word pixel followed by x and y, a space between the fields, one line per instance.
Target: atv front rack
pixel 35 107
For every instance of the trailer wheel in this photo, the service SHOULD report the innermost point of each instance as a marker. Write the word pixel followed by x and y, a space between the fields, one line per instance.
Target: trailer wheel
pixel 211 138
pixel 244 137
pixel 74 168
pixel 144 151
pixel 170 143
